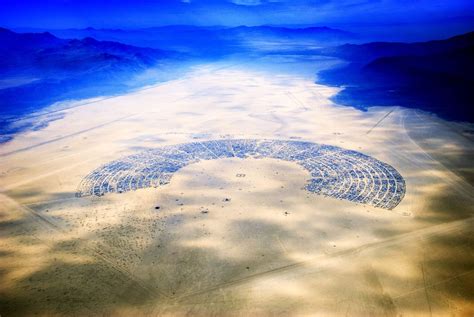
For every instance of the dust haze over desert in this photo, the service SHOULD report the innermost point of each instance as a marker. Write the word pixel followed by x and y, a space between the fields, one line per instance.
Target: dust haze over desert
pixel 239 158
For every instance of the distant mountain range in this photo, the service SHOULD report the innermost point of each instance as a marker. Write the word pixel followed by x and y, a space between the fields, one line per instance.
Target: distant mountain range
pixel 370 51
pixel 215 41
pixel 39 69
pixel 40 53
pixel 436 76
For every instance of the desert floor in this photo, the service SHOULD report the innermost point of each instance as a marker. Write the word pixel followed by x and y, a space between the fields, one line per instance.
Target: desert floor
pixel 226 245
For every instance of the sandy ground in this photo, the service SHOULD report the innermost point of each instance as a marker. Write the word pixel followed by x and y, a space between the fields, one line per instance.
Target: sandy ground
pixel 227 245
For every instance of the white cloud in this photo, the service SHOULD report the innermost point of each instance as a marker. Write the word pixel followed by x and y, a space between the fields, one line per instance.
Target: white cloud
pixel 247 2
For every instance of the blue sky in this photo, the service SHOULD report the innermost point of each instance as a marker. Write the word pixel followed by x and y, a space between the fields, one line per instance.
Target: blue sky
pixel 147 13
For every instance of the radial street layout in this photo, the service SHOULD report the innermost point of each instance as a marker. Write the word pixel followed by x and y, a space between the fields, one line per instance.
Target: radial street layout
pixel 334 172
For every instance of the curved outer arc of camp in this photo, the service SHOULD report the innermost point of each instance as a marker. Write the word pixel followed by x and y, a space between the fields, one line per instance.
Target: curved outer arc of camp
pixel 318 159
pixel 397 185
pixel 378 171
pixel 329 168
pixel 362 184
pixel 387 191
pixel 379 167
pixel 368 166
pixel 371 167
pixel 341 180
pixel 348 169
pixel 388 169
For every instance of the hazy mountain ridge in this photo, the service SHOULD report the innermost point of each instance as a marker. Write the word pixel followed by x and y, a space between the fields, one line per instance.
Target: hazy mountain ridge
pixel 212 41
pixel 39 69
pixel 43 52
pixel 435 76
pixel 370 51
